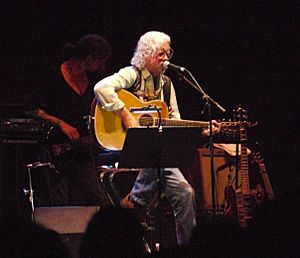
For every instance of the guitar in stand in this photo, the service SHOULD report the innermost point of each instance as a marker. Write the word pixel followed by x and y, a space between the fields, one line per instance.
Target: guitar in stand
pixel 262 169
pixel 259 195
pixel 240 200
pixel 231 208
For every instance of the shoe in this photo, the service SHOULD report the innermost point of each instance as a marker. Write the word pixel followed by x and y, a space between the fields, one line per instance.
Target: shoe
pixel 140 211
pixel 127 203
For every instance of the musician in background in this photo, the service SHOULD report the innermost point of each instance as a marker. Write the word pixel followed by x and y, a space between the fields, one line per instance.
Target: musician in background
pixel 64 102
pixel 145 78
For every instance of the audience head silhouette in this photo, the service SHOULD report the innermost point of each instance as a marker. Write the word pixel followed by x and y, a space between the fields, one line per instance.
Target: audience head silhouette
pixel 22 238
pixel 113 232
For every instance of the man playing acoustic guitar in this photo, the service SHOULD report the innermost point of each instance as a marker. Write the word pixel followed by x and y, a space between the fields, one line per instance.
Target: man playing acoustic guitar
pixel 146 80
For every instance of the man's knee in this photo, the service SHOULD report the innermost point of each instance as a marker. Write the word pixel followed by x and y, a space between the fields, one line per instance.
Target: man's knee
pixel 187 190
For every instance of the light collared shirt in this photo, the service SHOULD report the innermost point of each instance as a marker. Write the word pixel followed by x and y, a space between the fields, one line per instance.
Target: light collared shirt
pixel 105 90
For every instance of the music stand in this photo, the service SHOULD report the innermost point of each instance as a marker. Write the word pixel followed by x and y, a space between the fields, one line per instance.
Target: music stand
pixel 151 147
pixel 159 148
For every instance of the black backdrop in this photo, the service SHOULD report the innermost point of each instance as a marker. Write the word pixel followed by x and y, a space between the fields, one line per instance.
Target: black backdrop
pixel 241 53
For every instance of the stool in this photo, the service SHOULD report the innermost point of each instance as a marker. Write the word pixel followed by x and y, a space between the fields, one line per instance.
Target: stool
pixel 117 183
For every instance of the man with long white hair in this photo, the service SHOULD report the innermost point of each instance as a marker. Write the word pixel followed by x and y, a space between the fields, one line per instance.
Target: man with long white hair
pixel 145 78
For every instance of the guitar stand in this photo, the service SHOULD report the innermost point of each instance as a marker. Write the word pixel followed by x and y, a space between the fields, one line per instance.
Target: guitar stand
pixel 158 148
pixel 30 192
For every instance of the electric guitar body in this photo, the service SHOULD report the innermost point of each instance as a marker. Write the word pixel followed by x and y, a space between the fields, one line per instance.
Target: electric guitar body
pixel 230 209
pixel 59 144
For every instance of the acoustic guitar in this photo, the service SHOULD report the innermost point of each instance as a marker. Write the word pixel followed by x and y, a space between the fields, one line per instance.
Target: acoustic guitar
pixel 110 132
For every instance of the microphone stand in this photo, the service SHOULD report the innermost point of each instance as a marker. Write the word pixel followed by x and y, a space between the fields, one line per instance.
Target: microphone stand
pixel 159 171
pixel 208 101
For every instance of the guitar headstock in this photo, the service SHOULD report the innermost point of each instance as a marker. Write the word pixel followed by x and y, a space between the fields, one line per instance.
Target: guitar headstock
pixel 233 127
pixel 257 157
pixel 229 128
pixel 240 114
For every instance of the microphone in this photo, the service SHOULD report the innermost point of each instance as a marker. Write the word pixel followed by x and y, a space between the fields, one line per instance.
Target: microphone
pixel 167 64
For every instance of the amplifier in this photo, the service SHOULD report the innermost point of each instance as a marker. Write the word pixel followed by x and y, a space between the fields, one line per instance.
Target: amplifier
pixel 21 131
pixel 225 174
pixel 21 125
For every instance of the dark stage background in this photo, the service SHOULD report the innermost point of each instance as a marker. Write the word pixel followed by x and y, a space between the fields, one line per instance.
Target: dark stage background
pixel 241 53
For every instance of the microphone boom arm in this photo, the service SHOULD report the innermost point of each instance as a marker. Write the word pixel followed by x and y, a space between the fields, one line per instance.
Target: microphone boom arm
pixel 199 89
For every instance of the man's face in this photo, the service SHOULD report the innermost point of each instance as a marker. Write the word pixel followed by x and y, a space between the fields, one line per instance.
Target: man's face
pixel 94 64
pixel 154 63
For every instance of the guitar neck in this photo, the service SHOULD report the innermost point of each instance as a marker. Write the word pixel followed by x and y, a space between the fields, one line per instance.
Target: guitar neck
pixel 267 183
pixel 243 194
pixel 244 171
pixel 192 123
pixel 244 164
pixel 177 122
pixel 259 160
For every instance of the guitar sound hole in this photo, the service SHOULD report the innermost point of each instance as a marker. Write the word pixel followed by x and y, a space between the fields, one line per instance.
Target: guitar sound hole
pixel 146 120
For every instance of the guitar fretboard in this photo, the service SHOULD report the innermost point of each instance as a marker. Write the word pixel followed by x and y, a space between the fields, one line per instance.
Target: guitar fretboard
pixel 175 122
pixel 243 194
pixel 267 183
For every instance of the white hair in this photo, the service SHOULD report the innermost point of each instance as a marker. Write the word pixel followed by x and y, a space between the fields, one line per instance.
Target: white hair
pixel 148 44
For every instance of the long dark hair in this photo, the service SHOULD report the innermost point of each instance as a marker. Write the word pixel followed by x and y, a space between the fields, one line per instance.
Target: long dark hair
pixel 90 44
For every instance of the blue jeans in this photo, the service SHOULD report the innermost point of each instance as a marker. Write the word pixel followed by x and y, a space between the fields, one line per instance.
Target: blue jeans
pixel 178 192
